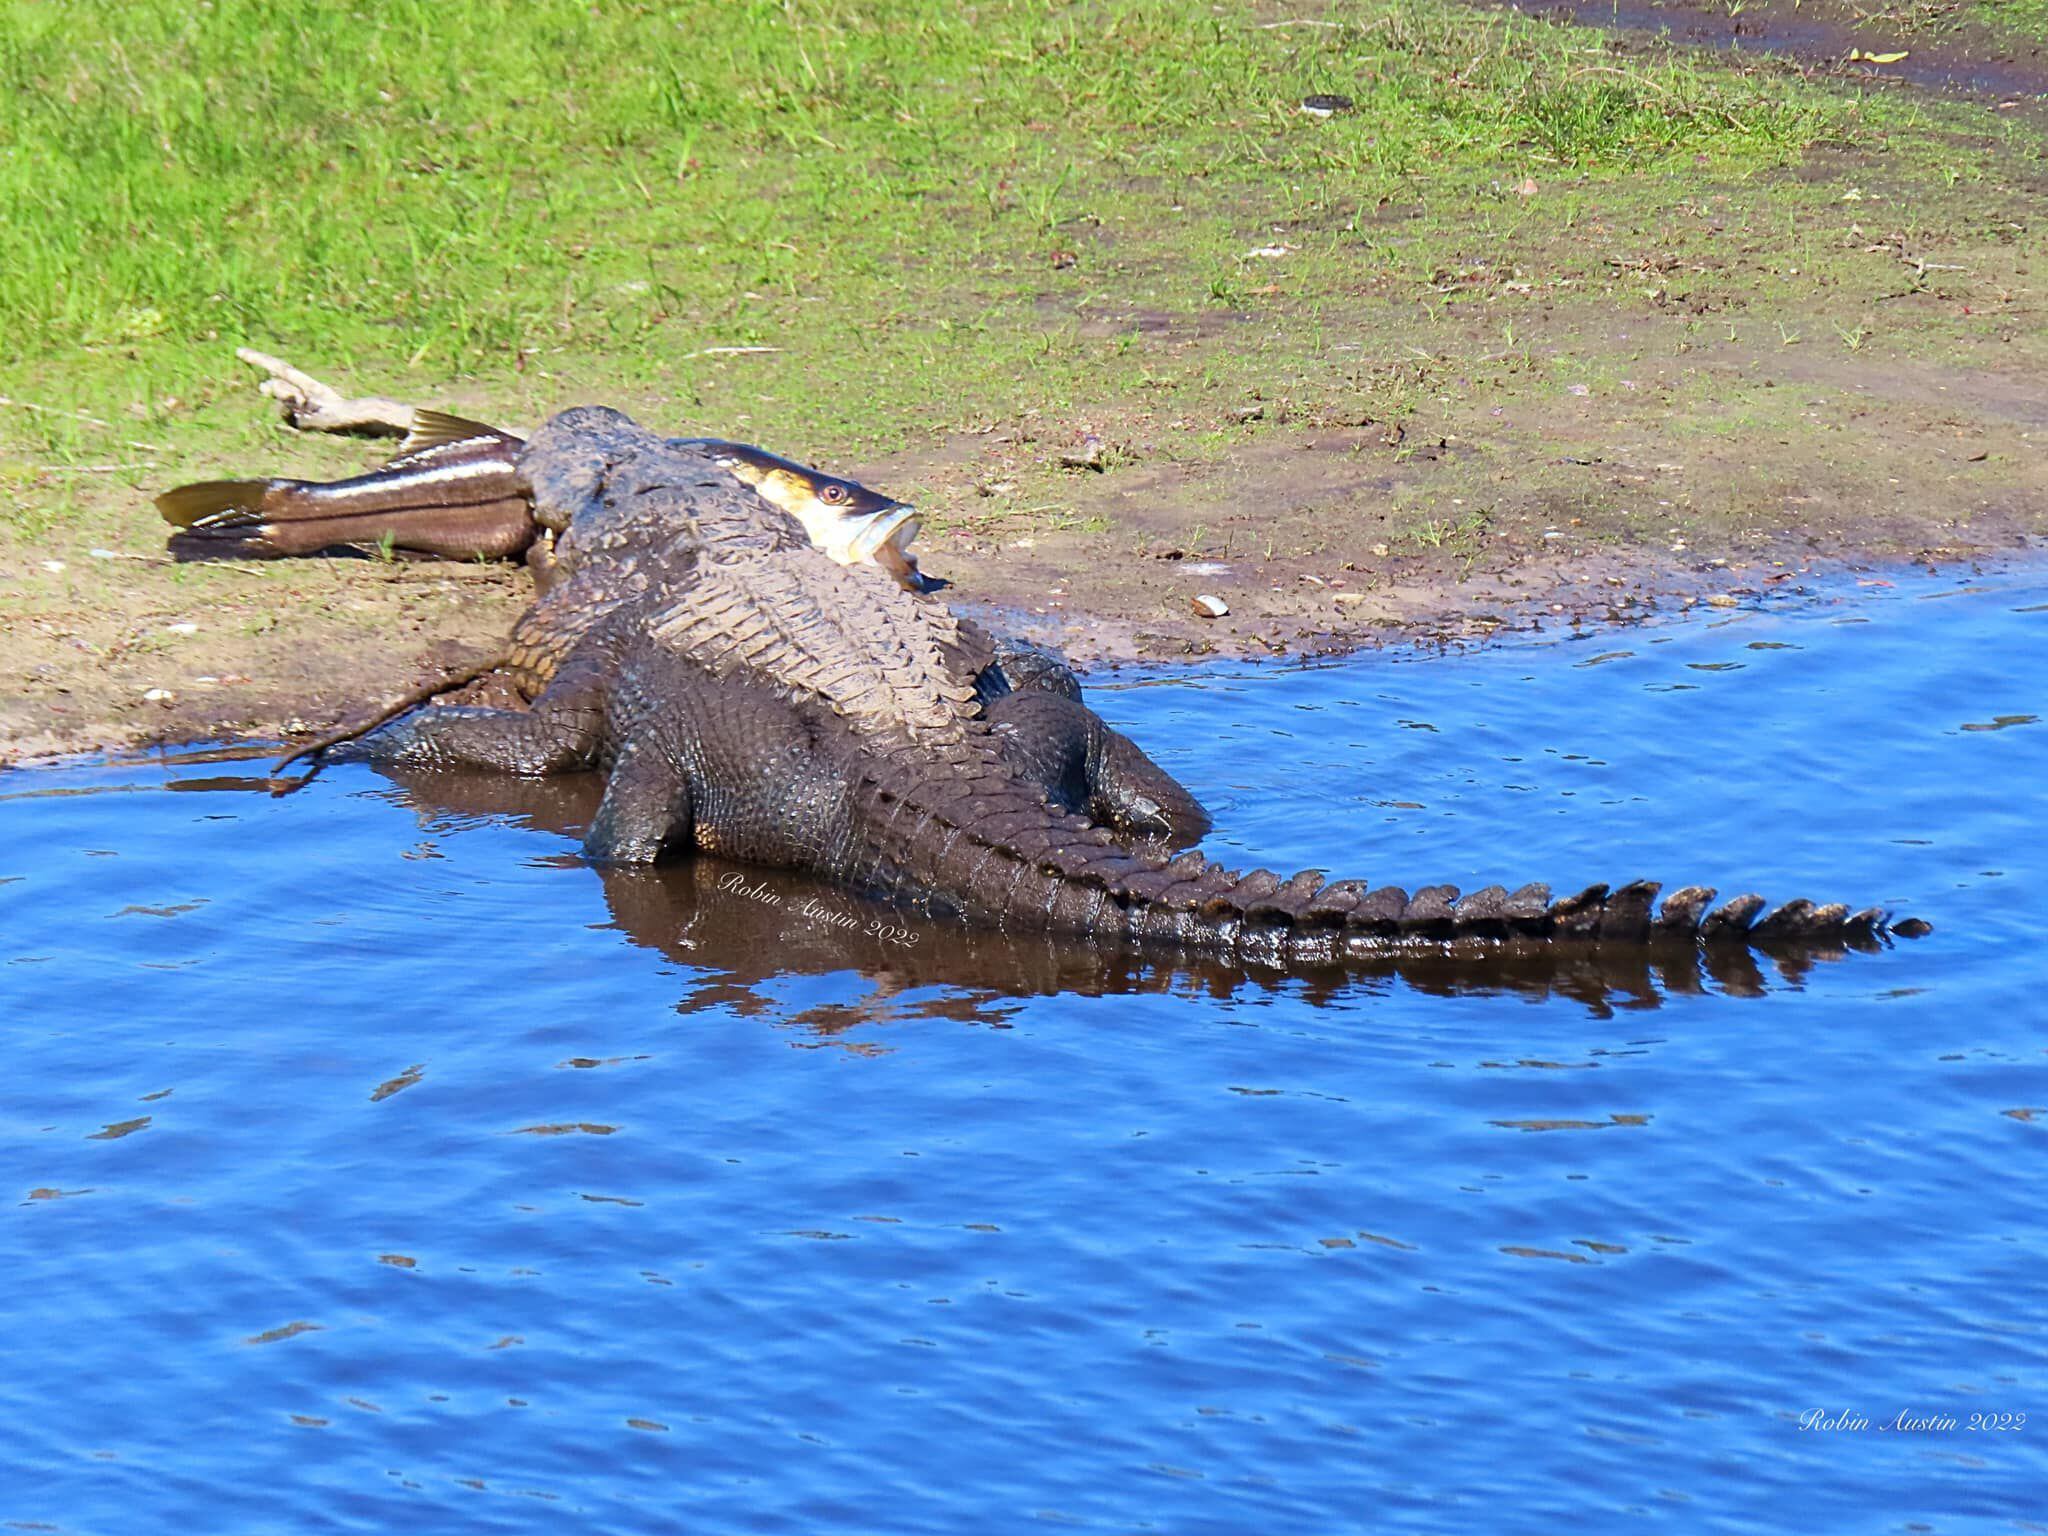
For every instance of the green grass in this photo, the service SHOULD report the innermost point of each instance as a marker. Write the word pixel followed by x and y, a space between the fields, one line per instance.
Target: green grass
pixel 2027 18
pixel 938 215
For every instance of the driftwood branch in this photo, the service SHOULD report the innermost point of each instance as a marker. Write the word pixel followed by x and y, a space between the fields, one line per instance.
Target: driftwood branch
pixel 313 406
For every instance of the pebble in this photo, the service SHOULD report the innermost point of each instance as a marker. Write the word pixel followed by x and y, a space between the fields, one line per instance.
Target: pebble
pixel 1210 607
pixel 159 696
pixel 1720 600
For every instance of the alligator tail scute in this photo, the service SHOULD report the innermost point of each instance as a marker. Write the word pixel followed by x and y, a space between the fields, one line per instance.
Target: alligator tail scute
pixel 1626 914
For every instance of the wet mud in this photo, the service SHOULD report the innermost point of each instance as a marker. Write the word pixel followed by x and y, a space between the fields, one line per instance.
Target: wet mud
pixel 1931 48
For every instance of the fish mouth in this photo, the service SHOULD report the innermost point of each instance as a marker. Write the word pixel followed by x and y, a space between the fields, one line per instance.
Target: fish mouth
pixel 880 538
pixel 872 530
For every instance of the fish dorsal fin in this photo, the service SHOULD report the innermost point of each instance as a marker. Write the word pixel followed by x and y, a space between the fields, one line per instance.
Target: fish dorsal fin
pixel 438 429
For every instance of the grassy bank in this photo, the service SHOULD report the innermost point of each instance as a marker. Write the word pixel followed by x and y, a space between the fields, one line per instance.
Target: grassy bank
pixel 1545 293
pixel 936 215
pixel 919 205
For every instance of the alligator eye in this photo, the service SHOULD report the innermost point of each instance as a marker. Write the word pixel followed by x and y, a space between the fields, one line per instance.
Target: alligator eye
pixel 832 495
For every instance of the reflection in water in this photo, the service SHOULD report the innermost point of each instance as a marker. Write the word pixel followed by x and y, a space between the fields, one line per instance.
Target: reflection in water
pixel 739 926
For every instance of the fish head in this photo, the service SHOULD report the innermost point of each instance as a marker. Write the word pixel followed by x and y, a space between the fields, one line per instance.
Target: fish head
pixel 845 519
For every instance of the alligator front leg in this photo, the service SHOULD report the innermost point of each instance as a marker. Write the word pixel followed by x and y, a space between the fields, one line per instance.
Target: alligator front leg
pixel 500 740
pixel 1085 766
pixel 563 732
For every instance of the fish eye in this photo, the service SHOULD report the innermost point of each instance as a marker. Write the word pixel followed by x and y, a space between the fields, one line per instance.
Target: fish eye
pixel 832 495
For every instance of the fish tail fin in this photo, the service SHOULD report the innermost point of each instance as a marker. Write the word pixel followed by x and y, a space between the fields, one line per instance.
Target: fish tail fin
pixel 275 519
pixel 222 504
pixel 223 519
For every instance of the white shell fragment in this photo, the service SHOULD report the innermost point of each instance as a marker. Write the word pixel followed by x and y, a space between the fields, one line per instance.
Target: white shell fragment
pixel 1210 607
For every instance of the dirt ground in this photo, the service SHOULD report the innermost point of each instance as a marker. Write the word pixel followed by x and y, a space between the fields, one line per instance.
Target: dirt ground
pixel 1293 536
pixel 1715 471
pixel 1301 533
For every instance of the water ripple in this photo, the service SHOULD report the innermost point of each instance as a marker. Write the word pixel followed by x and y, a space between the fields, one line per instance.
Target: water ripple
pixel 376 1164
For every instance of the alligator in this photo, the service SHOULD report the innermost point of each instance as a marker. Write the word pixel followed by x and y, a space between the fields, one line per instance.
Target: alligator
pixel 746 694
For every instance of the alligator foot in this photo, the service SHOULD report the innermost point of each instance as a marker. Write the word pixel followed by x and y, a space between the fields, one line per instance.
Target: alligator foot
pixel 312 406
pixel 1064 747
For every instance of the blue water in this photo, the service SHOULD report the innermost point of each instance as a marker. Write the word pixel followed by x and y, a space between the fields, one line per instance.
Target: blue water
pixel 375 1165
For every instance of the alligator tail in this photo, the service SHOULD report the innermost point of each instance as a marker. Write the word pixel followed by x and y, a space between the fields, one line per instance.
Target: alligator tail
pixel 1305 911
pixel 958 831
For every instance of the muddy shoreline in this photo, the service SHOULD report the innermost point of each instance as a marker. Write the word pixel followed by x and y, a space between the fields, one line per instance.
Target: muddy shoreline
pixel 355 633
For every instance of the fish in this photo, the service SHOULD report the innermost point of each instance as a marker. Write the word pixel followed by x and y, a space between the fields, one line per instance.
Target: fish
pixel 842 517
pixel 454 490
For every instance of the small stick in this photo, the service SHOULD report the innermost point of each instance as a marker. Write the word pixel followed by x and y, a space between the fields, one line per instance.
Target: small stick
pixel 401 705
pixel 54 410
pixel 316 407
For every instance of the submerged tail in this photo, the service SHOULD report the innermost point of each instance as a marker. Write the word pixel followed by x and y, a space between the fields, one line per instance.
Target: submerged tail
pixel 965 836
pixel 453 490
